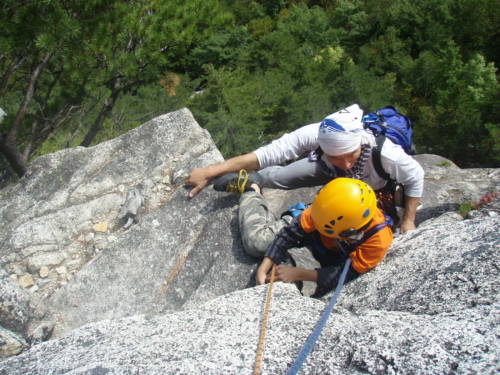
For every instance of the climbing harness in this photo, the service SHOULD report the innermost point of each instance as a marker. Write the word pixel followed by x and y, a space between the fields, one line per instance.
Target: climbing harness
pixel 313 337
pixel 260 349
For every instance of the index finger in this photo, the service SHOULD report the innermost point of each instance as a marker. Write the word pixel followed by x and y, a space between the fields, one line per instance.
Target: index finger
pixel 195 191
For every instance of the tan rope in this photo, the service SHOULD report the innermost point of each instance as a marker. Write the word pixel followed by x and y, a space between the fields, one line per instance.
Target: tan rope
pixel 260 349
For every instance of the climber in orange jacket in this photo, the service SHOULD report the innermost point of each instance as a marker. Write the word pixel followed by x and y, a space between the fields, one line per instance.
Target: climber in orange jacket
pixel 343 221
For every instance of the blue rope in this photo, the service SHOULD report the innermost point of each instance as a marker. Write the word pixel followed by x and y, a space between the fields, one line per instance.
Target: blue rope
pixel 313 337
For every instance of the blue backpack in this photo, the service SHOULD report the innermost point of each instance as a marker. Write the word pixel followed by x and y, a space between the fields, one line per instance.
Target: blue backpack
pixel 389 123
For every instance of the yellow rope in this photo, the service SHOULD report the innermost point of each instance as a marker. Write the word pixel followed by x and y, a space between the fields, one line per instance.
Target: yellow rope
pixel 260 349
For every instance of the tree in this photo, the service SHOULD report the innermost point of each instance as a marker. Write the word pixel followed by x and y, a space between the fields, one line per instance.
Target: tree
pixel 457 106
pixel 58 55
pixel 283 79
pixel 35 38
pixel 261 68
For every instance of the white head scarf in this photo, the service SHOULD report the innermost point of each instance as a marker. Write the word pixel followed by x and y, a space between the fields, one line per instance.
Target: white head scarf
pixel 341 132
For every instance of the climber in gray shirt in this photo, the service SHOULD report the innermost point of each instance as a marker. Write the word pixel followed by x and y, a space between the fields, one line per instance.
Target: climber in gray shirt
pixel 347 148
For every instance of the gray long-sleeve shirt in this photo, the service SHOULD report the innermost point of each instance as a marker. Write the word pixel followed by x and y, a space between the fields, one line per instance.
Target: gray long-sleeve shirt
pixel 399 165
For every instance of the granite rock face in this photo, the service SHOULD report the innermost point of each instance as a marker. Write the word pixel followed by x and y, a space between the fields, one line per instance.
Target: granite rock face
pixel 174 292
pixel 62 227
pixel 15 312
pixel 454 263
pixel 430 308
pixel 448 186
pixel 63 241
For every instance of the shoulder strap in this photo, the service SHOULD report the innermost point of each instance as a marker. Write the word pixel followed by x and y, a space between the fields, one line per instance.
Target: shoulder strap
pixel 377 162
pixel 388 222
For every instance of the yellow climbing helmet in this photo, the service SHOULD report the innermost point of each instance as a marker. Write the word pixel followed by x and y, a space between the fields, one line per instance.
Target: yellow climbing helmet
pixel 343 207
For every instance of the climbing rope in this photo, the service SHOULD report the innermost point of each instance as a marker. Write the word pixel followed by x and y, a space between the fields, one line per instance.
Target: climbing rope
pixel 260 348
pixel 313 337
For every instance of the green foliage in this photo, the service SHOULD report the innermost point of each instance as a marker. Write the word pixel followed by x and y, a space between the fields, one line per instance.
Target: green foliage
pixel 487 200
pixel 131 110
pixel 293 81
pixel 230 101
pixel 454 94
pixel 259 68
pixel 78 55
pixel 445 164
pixel 314 60
pixel 221 49
pixel 465 208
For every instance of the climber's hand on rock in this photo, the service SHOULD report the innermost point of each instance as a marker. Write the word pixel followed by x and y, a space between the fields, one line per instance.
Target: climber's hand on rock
pixel 199 179
pixel 287 274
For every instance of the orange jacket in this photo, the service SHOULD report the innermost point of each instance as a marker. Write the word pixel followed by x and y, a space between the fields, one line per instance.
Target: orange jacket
pixel 367 255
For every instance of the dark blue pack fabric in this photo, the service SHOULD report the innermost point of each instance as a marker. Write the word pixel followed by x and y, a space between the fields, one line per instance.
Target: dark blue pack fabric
pixel 390 123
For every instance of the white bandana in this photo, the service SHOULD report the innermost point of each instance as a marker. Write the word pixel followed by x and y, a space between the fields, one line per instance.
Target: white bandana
pixel 340 132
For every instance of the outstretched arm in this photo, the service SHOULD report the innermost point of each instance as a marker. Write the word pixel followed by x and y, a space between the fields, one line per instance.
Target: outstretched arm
pixel 200 177
pixel 408 221
pixel 408 172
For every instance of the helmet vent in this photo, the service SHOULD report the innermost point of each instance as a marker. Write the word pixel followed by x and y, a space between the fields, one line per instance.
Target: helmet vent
pixel 342 204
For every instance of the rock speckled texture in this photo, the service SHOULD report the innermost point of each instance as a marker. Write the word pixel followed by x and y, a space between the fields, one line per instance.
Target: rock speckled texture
pixel 174 293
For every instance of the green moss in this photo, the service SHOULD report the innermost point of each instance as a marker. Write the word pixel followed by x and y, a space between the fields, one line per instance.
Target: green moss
pixel 443 164
pixel 465 208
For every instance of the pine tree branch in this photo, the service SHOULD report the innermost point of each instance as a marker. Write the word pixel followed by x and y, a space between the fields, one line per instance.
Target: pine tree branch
pixel 11 69
pixel 8 144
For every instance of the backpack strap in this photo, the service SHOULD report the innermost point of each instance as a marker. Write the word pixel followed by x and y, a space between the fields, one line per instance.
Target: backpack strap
pixel 387 223
pixel 319 152
pixel 377 159
pixel 350 247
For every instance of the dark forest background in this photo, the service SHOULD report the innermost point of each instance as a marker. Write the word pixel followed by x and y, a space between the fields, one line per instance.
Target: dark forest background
pixel 78 72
